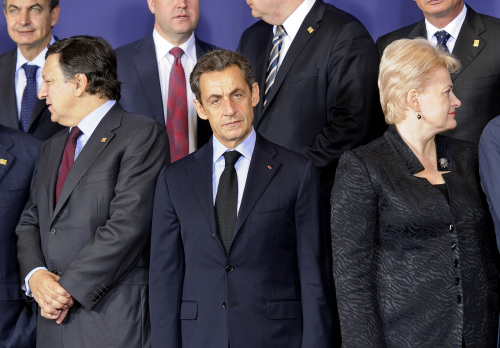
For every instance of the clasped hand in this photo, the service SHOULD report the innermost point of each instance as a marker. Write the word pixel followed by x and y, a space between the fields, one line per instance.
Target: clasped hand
pixel 53 299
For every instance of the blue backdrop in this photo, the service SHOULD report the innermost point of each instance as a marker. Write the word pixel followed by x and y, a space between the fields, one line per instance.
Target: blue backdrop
pixel 221 21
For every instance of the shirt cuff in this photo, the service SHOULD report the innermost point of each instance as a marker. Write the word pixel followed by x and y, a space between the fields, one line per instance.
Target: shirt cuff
pixel 26 286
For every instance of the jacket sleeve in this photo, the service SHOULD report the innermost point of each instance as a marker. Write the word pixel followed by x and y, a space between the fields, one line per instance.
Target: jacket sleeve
pixel 166 272
pixel 354 224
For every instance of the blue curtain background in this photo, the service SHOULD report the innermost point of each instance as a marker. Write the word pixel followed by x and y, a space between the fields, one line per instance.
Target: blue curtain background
pixel 221 21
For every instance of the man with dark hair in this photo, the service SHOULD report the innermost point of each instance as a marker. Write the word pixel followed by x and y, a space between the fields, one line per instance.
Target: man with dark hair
pixel 474 39
pixel 18 154
pixel 83 236
pixel 155 74
pixel 29 23
pixel 238 253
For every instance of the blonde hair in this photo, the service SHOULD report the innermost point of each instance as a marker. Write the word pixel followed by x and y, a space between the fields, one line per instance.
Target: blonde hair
pixel 408 64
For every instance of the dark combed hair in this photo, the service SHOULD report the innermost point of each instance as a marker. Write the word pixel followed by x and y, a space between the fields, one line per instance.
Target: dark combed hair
pixel 52 4
pixel 92 56
pixel 218 60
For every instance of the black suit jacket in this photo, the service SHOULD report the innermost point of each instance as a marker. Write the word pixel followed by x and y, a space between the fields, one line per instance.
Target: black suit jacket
pixel 478 81
pixel 412 269
pixel 274 291
pixel 18 154
pixel 141 90
pixel 96 236
pixel 324 100
pixel 40 125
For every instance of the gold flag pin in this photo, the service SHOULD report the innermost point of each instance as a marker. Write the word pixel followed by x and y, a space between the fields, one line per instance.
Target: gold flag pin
pixel 103 140
pixel 269 167
pixel 476 43
pixel 310 30
pixel 3 161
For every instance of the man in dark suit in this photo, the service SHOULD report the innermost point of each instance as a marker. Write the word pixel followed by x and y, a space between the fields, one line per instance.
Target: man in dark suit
pixel 324 98
pixel 475 40
pixel 83 236
pixel 18 154
pixel 244 267
pixel 145 67
pixel 29 23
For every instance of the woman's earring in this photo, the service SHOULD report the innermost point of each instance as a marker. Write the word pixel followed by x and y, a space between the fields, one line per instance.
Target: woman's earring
pixel 418 116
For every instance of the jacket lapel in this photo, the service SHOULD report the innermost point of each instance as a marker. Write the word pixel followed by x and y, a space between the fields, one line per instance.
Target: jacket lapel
pixel 263 167
pixel 260 68
pixel 55 152
pixel 7 90
pixel 36 112
pixel 147 69
pixel 465 48
pixel 6 158
pixel 418 31
pixel 89 153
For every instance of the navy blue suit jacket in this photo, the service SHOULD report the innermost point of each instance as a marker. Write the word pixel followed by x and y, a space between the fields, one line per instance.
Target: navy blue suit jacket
pixel 272 289
pixel 18 154
pixel 141 91
pixel 40 124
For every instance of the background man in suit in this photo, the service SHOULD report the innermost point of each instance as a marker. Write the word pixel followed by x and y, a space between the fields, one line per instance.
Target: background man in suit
pixel 324 98
pixel 29 23
pixel 252 277
pixel 18 154
pixel 475 40
pixel 89 222
pixel 147 68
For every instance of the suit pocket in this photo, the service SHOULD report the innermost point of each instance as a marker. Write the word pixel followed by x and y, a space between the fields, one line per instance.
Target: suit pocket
pixel 91 178
pixel 304 75
pixel 270 215
pixel 284 309
pixel 189 310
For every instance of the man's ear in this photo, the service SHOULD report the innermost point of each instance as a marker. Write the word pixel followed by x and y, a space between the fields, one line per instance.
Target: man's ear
pixel 200 110
pixel 255 94
pixel 54 16
pixel 80 81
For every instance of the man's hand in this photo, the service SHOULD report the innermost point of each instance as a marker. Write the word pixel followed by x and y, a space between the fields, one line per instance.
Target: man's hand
pixel 53 299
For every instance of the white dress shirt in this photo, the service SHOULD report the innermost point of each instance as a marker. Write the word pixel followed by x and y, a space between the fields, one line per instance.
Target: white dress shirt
pixel 165 61
pixel 292 25
pixel 20 74
pixel 453 28
pixel 87 126
pixel 242 165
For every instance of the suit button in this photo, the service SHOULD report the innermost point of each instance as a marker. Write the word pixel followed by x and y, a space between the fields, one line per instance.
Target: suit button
pixel 455 263
pixel 53 231
pixel 452 228
pixel 224 305
pixel 453 246
pixel 457 280
pixel 459 298
pixel 229 269
pixel 213 235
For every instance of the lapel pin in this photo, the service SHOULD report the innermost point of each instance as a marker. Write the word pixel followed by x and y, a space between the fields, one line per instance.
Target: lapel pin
pixel 310 30
pixel 103 140
pixel 476 43
pixel 443 163
pixel 269 167
pixel 3 161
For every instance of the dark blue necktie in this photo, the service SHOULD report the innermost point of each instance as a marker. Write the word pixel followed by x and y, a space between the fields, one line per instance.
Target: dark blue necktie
pixel 29 96
pixel 226 200
pixel 442 38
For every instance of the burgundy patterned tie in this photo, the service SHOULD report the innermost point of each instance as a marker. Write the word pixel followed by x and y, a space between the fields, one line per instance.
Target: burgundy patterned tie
pixel 68 159
pixel 177 113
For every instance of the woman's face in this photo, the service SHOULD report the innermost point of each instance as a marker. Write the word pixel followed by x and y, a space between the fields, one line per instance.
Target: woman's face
pixel 438 103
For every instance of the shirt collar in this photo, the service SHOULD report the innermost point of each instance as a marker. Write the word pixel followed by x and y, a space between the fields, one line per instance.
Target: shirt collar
pixel 294 21
pixel 91 121
pixel 245 148
pixel 453 28
pixel 39 60
pixel 164 46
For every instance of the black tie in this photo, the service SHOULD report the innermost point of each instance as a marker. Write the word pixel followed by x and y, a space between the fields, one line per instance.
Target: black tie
pixel 226 201
pixel 442 38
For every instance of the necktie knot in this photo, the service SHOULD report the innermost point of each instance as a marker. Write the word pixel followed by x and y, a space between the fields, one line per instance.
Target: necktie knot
pixel 75 133
pixel 30 71
pixel 177 52
pixel 231 157
pixel 442 37
pixel 280 31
